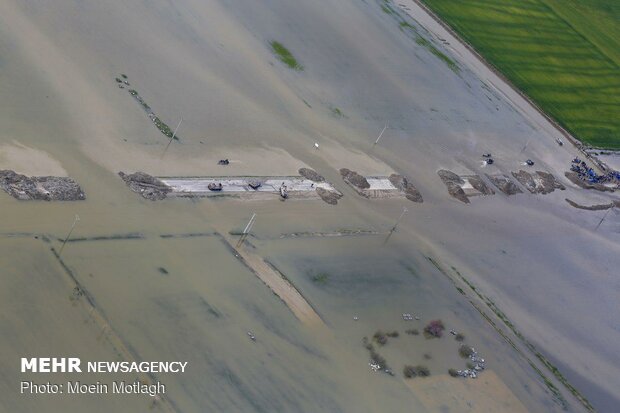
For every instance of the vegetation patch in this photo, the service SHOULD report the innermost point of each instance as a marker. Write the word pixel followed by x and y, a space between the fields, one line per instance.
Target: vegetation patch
pixel 159 124
pixel 337 113
pixel 434 329
pixel 380 338
pixel 564 54
pixel 320 278
pixel 285 56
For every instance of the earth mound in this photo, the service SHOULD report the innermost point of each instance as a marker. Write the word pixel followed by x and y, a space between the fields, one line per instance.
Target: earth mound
pixel 47 188
pixel 146 185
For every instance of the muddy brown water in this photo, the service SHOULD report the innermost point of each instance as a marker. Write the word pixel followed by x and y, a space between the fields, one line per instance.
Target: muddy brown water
pixel 537 257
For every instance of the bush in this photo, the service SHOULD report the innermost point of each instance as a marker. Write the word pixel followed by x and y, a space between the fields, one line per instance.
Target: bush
pixel 460 337
pixel 380 338
pixel 409 372
pixel 434 329
pixel 465 351
pixel 452 372
pixel 422 371
pixel 412 331
pixel 393 334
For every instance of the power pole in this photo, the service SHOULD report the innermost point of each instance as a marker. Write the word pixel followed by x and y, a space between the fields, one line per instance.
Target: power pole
pixel 75 221
pixel 402 214
pixel 604 216
pixel 171 138
pixel 381 134
pixel 247 229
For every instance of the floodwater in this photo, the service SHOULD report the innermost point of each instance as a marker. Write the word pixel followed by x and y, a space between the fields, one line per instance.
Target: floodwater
pixel 166 287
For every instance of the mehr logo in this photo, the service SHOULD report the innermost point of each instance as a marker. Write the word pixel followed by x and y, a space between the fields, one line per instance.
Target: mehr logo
pixel 51 365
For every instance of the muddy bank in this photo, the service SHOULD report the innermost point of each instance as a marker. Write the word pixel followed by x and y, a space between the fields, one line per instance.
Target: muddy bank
pixel 403 184
pixel 45 188
pixel 504 184
pixel 539 182
pixel 147 186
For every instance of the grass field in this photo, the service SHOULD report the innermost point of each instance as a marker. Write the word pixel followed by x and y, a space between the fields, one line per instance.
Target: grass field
pixel 564 54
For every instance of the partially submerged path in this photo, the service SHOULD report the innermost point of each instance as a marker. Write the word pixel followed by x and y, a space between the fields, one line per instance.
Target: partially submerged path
pixel 277 283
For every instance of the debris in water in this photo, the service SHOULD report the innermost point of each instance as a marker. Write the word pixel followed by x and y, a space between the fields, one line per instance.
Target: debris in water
pixel 146 185
pixel 47 188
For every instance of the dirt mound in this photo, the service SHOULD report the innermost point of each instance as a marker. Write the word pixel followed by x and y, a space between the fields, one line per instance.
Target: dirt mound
pixel 354 178
pixel 527 180
pixel 480 186
pixel 311 175
pixel 402 183
pixel 549 182
pixel 505 184
pixel 449 176
pixel 539 182
pixel 146 185
pixel 453 182
pixel 47 188
pixel 331 197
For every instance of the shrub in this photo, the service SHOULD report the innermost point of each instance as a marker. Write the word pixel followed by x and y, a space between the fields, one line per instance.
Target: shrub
pixel 465 351
pixel 412 331
pixel 452 372
pixel 422 371
pixel 380 338
pixel 434 329
pixel 393 334
pixel 460 337
pixel 409 372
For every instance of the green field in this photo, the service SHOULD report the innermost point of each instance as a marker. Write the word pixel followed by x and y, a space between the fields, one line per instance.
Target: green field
pixel 564 54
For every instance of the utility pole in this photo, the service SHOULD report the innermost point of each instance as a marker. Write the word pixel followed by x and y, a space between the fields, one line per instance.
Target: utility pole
pixel 604 216
pixel 247 229
pixel 75 221
pixel 402 214
pixel 381 134
pixel 171 138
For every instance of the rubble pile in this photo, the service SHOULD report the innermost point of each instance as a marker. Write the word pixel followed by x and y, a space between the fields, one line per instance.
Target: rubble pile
pixel 504 184
pixel 539 182
pixel 311 175
pixel 479 185
pixel 46 188
pixel 330 197
pixel 403 184
pixel 146 185
pixel 454 184
pixel 354 178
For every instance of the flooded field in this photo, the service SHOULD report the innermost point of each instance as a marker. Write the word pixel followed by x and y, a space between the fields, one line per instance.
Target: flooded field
pixel 277 322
